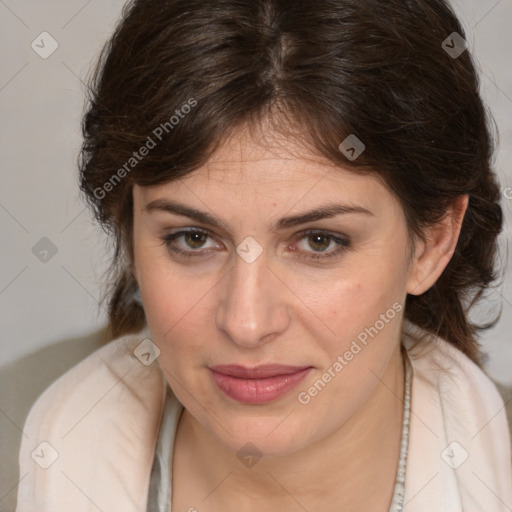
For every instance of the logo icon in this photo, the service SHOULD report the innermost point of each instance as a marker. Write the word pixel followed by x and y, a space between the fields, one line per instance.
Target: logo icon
pixel 454 45
pixel 45 455
pixel 249 250
pixel 146 352
pixel 454 455
pixel 44 250
pixel 44 45
pixel 352 147
pixel 249 455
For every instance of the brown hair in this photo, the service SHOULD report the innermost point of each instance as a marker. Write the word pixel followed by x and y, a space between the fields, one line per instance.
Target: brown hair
pixel 330 68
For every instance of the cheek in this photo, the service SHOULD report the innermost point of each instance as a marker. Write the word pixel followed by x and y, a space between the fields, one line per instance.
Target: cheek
pixel 167 293
pixel 175 306
pixel 362 314
pixel 357 301
pixel 170 310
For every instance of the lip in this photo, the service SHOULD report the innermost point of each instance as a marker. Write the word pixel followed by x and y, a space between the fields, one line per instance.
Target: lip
pixel 257 385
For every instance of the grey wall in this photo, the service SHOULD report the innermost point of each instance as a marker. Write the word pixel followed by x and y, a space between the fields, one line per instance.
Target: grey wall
pixel 41 101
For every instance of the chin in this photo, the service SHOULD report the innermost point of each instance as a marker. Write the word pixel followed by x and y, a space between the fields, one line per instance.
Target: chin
pixel 266 436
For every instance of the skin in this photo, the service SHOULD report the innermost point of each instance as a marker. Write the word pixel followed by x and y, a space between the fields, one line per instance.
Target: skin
pixel 339 451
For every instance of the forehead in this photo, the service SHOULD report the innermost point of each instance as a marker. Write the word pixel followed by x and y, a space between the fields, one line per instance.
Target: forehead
pixel 252 156
pixel 270 169
pixel 245 155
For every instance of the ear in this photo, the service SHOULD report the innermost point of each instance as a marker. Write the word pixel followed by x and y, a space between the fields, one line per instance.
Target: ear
pixel 434 253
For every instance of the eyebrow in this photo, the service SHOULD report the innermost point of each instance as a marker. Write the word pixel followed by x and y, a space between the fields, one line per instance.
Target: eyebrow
pixel 322 212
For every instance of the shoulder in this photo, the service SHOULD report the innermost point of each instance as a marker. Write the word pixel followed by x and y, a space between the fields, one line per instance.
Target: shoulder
pixel 101 415
pixel 459 438
pixel 441 365
pixel 123 368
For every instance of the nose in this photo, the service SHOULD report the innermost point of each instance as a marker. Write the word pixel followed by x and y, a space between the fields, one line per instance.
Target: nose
pixel 252 309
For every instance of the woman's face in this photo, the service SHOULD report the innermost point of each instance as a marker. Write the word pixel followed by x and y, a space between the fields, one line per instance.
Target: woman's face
pixel 323 294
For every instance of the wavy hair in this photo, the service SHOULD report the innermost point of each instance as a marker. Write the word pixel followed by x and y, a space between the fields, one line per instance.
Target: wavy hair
pixel 321 70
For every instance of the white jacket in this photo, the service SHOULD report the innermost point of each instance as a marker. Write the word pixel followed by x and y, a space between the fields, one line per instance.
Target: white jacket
pixel 89 440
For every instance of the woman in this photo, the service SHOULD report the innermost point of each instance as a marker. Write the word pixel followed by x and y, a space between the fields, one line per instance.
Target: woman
pixel 303 210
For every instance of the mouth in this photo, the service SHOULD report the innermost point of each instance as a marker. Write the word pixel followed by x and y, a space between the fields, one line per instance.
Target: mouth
pixel 258 385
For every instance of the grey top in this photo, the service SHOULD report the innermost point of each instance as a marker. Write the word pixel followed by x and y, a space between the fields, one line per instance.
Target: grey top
pixel 160 492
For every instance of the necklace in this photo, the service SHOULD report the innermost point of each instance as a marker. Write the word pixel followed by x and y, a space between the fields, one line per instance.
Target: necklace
pixel 397 503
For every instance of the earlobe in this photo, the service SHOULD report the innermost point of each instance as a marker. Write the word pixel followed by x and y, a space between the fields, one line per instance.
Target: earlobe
pixel 435 251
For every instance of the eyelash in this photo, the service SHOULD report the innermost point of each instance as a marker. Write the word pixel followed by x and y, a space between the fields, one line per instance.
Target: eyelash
pixel 342 243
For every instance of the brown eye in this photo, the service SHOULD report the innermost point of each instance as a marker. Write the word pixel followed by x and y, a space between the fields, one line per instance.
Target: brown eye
pixel 193 241
pixel 315 241
pixel 316 246
pixel 320 241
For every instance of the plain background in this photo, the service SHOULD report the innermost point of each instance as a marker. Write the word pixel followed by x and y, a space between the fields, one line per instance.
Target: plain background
pixel 50 317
